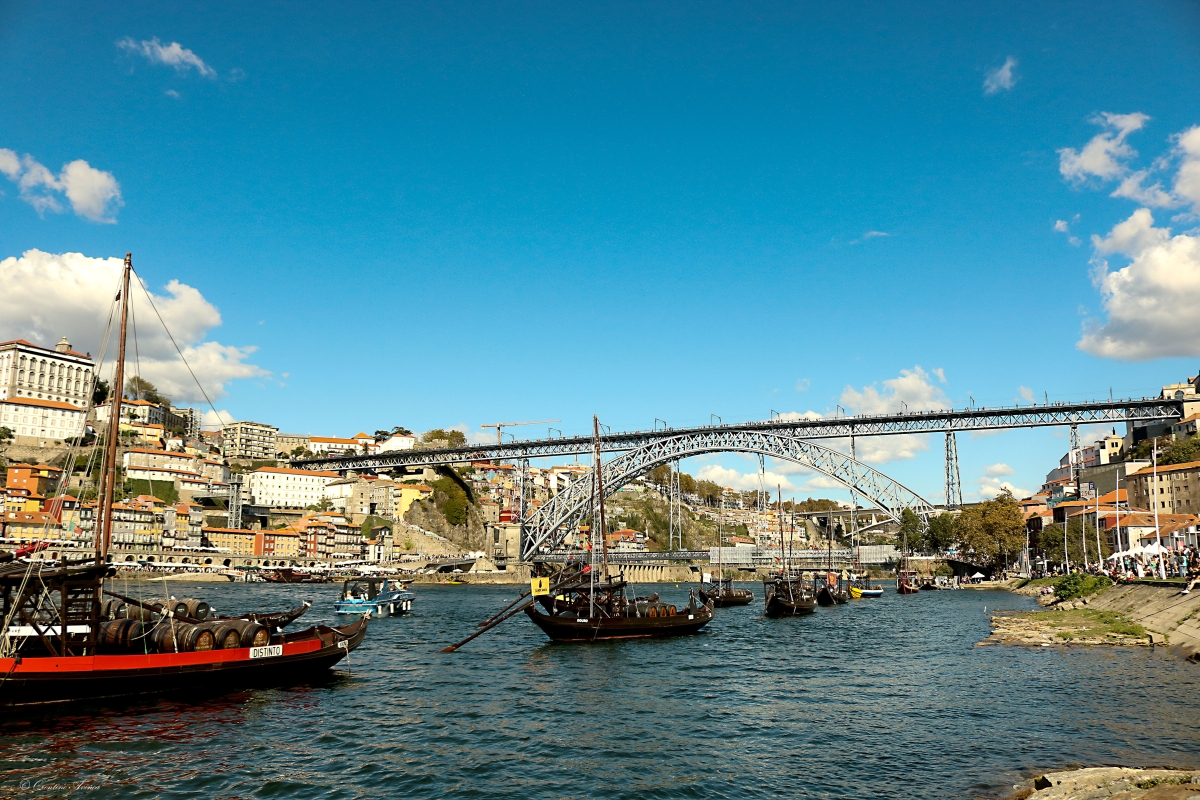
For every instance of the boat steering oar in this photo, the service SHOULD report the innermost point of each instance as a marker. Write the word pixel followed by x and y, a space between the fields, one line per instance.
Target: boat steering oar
pixel 498 618
pixel 495 621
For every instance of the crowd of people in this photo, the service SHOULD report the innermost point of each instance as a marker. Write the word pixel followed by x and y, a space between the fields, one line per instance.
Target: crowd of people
pixel 1183 564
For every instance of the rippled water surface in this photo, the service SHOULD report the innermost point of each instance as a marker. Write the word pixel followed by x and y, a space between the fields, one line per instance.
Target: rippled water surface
pixel 879 698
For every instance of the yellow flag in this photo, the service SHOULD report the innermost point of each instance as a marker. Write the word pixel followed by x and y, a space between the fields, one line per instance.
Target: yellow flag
pixel 539 587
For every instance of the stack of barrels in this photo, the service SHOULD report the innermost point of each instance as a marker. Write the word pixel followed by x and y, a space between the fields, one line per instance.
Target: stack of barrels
pixel 129 628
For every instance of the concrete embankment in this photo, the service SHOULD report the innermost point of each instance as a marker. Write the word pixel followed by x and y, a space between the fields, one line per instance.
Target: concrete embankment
pixel 1124 614
pixel 1095 783
pixel 1162 610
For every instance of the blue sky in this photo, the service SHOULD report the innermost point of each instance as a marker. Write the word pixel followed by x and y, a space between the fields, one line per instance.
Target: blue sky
pixel 449 214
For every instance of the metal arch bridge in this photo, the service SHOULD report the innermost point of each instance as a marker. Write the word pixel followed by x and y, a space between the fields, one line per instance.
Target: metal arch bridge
pixel 545 528
pixel 952 421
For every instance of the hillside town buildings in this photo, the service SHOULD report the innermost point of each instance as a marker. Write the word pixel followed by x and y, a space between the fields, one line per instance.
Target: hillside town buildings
pixel 254 441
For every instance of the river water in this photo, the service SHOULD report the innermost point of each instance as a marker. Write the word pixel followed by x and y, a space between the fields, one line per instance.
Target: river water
pixel 879 698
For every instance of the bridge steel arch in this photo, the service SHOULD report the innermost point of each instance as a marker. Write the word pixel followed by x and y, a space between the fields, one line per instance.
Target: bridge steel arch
pixel 546 527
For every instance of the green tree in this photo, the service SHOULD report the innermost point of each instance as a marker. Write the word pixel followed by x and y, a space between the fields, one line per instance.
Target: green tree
pixel 911 529
pixel 817 505
pixel 6 435
pixel 100 393
pixel 940 534
pixel 660 475
pixel 299 451
pixel 454 438
pixel 324 504
pixel 1050 542
pixel 994 530
pixel 138 388
pixel 687 483
pixel 709 492
pixel 451 500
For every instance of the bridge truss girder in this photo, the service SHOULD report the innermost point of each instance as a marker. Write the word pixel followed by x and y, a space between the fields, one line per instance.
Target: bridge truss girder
pixel 545 528
pixel 1107 412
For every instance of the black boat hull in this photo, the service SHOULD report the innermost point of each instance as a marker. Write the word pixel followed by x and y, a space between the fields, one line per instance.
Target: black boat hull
pixel 779 607
pixel 728 598
pixel 602 629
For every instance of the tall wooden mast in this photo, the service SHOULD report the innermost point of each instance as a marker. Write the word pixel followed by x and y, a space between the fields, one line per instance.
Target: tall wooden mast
pixel 600 489
pixel 109 470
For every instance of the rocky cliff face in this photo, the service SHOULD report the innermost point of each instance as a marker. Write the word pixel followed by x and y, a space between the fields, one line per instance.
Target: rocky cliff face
pixel 471 536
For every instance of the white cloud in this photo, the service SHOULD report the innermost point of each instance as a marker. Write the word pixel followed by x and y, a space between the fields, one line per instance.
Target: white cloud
pixel 1026 393
pixel 1000 79
pixel 990 484
pixel 1062 226
pixel 803 384
pixel 1131 188
pixel 1187 178
pixel 171 93
pixel 474 436
pixel 215 420
pixel 743 481
pixel 990 487
pixel 822 482
pixel 870 235
pixel 173 55
pixel 93 194
pixel 793 416
pixel 1102 156
pixel 1153 303
pixel 10 165
pixel 48 296
pixel 911 390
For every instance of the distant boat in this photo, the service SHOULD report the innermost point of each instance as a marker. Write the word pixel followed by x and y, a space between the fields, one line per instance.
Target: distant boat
pixel 380 597
pixel 721 593
pixel 787 596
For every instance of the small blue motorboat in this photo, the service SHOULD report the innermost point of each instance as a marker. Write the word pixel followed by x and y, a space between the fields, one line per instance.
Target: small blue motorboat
pixel 379 597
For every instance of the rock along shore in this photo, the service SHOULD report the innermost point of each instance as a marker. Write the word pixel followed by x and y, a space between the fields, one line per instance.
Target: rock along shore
pixel 1121 783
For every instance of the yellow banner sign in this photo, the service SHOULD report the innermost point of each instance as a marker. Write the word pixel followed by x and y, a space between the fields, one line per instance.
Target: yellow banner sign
pixel 539 587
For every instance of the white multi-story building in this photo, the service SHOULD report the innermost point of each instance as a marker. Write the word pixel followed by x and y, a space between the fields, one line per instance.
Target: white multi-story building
pixel 33 372
pixel 39 422
pixel 331 445
pixel 250 440
pixel 281 487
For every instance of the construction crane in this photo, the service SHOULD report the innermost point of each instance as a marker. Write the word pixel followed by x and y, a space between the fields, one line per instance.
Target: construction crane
pixel 500 426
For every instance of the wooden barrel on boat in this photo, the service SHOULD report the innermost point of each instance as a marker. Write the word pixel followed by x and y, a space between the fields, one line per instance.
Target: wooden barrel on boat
pixel 196 609
pixel 252 634
pixel 181 637
pixel 125 635
pixel 225 636
pixel 112 609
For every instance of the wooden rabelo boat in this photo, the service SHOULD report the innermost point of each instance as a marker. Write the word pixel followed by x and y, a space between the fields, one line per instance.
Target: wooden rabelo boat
pixel 586 603
pixel 585 610
pixel 906 579
pixel 721 593
pixel 786 593
pixel 57 644
pixel 290 575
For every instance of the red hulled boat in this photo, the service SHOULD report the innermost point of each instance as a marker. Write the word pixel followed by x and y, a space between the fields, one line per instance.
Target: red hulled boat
pixel 57 644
